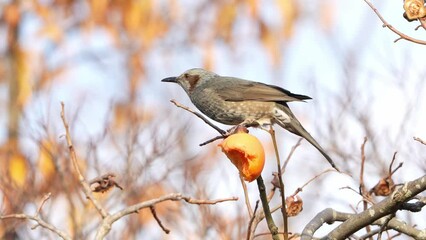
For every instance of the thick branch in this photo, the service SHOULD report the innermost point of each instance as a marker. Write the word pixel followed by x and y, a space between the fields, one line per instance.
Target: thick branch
pixel 330 216
pixel 354 222
pixel 110 219
pixel 263 198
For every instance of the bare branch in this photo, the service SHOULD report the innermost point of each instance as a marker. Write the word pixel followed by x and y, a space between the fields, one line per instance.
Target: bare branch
pixel 293 149
pixel 330 216
pixel 221 132
pixel 86 187
pixel 40 222
pixel 43 201
pixel 263 198
pixel 252 217
pixel 281 183
pixel 354 222
pixel 387 25
pixel 420 140
pixel 110 219
pixel 154 213
pixel 246 197
pixel 299 189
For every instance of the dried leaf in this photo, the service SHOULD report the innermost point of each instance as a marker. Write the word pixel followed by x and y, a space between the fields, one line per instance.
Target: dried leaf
pixel 414 9
pixel 294 205
pixel 384 187
pixel 104 183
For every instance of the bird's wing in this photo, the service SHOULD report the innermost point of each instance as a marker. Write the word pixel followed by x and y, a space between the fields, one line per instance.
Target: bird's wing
pixel 242 90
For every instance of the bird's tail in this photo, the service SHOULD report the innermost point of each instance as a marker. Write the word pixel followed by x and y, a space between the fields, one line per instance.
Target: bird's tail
pixel 288 121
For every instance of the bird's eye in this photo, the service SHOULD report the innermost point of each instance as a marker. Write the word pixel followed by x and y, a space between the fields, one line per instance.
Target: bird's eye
pixel 186 75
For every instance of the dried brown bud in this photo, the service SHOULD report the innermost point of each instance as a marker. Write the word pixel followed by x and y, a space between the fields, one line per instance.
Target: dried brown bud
pixel 104 183
pixel 384 187
pixel 414 9
pixel 294 205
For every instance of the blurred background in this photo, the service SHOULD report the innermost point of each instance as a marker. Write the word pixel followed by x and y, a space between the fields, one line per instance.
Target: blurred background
pixel 105 58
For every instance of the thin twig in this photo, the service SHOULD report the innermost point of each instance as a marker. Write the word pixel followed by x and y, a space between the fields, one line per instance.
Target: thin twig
pixel 384 225
pixel 267 233
pixel 246 197
pixel 299 189
pixel 252 217
pixel 209 202
pixel 391 164
pixel 221 132
pixel 281 186
pixel 43 201
pixel 390 27
pixel 212 140
pixel 154 214
pixel 392 171
pixel 86 187
pixel 40 222
pixel 361 174
pixel 420 140
pixel 107 222
pixel 293 149
pixel 362 190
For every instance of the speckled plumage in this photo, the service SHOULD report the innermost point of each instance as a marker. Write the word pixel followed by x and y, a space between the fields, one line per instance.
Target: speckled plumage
pixel 234 101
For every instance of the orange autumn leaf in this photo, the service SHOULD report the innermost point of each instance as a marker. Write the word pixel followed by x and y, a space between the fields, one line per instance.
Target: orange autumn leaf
pixel 135 15
pixel 53 32
pixel 45 159
pixel 246 152
pixel 12 14
pixel 208 55
pixel 253 8
pixel 225 20
pixel 289 10
pixel 18 169
pixel 99 10
pixel 24 86
pixel 271 42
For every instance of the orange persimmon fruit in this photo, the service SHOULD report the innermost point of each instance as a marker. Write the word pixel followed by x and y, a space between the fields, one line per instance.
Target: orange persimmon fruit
pixel 246 152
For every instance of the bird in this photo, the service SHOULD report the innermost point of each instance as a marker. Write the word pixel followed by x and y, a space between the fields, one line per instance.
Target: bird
pixel 235 101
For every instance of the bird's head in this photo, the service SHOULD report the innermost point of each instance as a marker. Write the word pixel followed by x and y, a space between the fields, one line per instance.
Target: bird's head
pixel 192 78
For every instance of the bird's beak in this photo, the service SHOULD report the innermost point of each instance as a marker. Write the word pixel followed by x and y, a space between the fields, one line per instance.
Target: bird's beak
pixel 170 79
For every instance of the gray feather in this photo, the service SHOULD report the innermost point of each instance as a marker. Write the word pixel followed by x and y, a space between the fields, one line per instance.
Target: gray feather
pixel 236 90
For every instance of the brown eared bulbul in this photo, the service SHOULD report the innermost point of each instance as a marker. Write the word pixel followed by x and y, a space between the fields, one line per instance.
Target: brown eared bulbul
pixel 235 101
